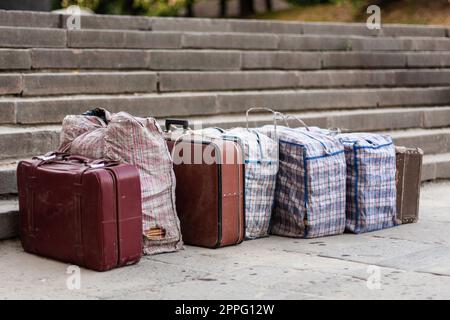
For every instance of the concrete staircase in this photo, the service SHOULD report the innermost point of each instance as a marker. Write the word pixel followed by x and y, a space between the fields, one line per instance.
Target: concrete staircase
pixel 395 80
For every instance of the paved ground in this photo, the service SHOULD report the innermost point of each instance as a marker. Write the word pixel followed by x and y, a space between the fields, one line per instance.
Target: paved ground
pixel 413 261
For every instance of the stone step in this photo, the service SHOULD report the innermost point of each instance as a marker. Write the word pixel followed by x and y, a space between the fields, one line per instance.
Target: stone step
pixel 37 140
pixel 357 43
pixel 89 59
pixel 32 37
pixel 114 22
pixel 352 120
pixel 110 22
pixel 247 80
pixel 15 59
pixel 434 167
pixel 318 28
pixel 288 60
pixel 64 83
pixel 19 37
pixel 424 60
pixel 431 141
pixel 316 99
pixel 53 109
pixel 34 19
pixel 23 141
pixel 39 84
pixel 30 19
pixel 192 60
pixel 247 41
pixel 10 83
pixel 123 39
pixel 9 218
pixel 367 60
pixel 135 59
pixel 8 184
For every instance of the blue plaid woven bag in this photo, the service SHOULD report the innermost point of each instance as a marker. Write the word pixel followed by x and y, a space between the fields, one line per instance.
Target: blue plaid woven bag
pixel 371 184
pixel 311 182
pixel 261 167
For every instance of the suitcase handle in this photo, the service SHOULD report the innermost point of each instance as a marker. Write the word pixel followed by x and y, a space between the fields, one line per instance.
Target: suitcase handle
pixel 62 157
pixel 93 164
pixel 102 163
pixel 178 122
pixel 54 155
pixel 78 158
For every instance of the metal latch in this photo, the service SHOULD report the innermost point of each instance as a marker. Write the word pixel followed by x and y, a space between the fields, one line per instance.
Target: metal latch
pixel 96 165
pixel 46 158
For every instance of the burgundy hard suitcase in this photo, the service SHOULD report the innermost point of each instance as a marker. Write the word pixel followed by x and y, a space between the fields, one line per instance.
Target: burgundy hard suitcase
pixel 80 211
pixel 409 172
pixel 209 196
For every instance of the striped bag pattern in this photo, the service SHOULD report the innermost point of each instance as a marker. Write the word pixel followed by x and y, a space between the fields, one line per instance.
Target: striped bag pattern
pixel 371 185
pixel 74 126
pixel 90 144
pixel 310 190
pixel 261 167
pixel 139 141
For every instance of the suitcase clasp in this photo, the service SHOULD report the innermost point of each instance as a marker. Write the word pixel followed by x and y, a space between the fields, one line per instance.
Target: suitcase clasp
pixel 46 158
pixel 96 165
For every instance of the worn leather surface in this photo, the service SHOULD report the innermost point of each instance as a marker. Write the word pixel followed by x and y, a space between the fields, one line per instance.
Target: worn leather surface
pixel 409 171
pixel 89 218
pixel 209 197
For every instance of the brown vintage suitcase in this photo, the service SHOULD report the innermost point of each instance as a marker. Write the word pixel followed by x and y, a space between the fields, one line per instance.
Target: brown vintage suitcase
pixel 80 211
pixel 209 194
pixel 409 171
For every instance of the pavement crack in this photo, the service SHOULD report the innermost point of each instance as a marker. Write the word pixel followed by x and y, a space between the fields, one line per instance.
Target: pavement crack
pixel 360 262
pixel 434 273
pixel 401 239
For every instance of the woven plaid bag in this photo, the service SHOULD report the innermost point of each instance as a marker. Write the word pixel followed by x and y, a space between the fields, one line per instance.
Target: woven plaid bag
pixel 139 141
pixel 261 167
pixel 90 144
pixel 371 185
pixel 74 126
pixel 311 181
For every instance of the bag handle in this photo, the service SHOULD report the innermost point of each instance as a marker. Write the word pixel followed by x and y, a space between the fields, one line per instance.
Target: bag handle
pixel 275 114
pixel 177 122
pixel 99 113
pixel 219 129
pixel 291 116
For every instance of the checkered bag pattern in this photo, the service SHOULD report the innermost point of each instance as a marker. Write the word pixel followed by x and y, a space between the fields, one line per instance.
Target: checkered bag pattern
pixel 371 185
pixel 74 126
pixel 90 144
pixel 261 167
pixel 139 141
pixel 310 192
